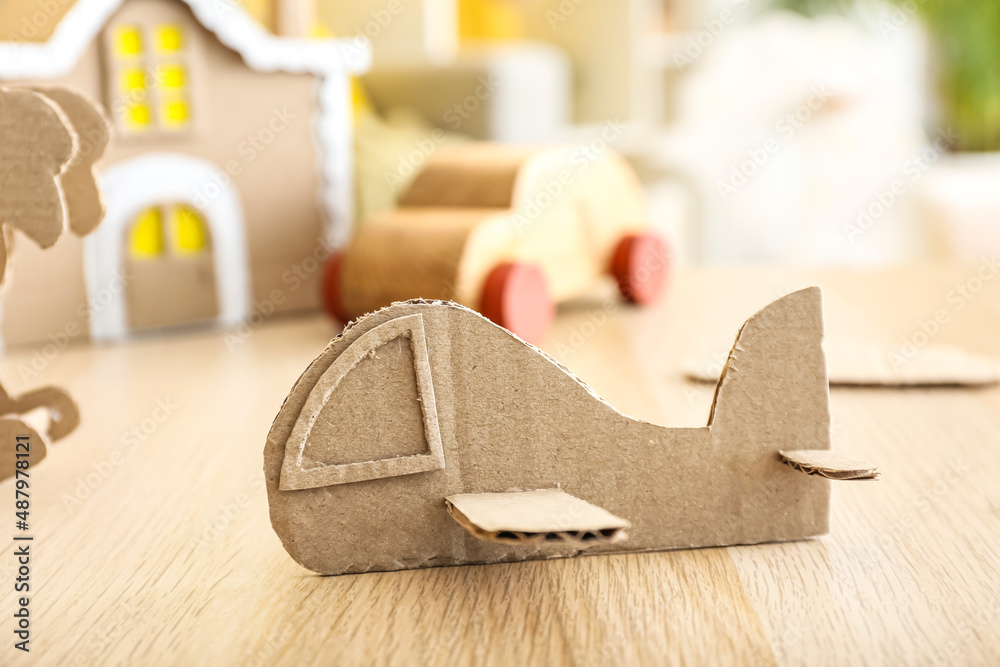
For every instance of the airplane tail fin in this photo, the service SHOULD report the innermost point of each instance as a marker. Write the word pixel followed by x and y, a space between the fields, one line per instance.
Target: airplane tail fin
pixel 774 393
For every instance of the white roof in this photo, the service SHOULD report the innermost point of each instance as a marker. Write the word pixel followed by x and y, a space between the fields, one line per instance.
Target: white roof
pixel 260 49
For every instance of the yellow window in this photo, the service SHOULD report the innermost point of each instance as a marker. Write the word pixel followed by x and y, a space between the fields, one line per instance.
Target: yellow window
pixel 152 78
pixel 138 116
pixel 128 41
pixel 133 80
pixel 189 231
pixel 172 77
pixel 175 113
pixel 146 237
pixel 169 38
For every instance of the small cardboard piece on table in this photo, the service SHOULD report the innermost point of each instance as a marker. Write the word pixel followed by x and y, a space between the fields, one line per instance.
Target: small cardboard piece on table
pixel 512 419
pixel 856 364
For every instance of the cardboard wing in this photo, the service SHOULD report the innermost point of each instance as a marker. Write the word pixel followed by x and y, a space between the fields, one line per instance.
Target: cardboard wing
pixel 425 435
pixel 829 464
pixel 547 515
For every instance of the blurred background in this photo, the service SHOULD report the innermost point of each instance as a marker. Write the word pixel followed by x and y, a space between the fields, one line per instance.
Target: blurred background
pixel 835 132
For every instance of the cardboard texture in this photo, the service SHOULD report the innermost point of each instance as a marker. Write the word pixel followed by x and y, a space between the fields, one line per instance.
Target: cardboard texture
pixel 84 205
pixel 511 419
pixel 303 472
pixel 479 206
pixel 49 141
pixel 855 364
pixel 38 141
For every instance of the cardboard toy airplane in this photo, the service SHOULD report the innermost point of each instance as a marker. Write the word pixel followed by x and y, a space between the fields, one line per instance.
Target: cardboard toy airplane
pixel 50 139
pixel 425 435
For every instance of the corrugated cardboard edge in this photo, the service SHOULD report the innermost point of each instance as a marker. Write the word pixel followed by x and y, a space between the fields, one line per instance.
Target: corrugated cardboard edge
pixel 539 516
pixel 829 464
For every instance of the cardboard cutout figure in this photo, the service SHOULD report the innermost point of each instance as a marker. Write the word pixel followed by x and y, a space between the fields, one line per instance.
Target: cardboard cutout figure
pixel 38 141
pixel 49 141
pixel 426 435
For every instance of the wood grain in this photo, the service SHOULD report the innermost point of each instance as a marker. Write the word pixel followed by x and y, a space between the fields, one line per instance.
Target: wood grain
pixel 154 548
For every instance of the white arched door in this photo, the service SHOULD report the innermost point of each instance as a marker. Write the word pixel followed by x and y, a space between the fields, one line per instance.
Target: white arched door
pixel 132 186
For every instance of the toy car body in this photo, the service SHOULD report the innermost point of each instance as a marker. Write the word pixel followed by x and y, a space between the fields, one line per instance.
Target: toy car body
pixel 504 230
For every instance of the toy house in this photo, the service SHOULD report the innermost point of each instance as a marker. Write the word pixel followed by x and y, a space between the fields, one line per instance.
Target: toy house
pixel 228 178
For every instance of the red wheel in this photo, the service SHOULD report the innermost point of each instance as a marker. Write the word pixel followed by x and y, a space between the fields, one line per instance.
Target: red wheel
pixel 640 264
pixel 333 295
pixel 516 297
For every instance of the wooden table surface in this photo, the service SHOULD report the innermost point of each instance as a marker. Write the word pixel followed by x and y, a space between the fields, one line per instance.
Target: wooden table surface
pixel 153 545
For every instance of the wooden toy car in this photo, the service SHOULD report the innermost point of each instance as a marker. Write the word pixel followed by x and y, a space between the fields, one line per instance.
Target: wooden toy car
pixel 507 231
